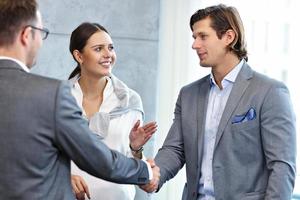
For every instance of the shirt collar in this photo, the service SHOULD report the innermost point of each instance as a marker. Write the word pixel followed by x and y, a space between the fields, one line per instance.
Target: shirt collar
pixel 231 76
pixel 17 61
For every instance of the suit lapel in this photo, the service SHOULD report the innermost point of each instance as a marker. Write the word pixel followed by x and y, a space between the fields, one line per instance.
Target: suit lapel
pixel 238 89
pixel 203 95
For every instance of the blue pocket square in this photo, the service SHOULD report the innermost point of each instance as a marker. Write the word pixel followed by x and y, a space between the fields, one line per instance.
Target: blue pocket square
pixel 248 116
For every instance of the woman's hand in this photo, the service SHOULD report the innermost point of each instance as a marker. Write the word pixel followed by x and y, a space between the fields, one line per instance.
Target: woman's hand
pixel 79 187
pixel 140 135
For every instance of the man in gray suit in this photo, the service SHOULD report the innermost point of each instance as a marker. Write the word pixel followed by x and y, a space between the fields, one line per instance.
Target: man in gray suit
pixel 41 127
pixel 235 128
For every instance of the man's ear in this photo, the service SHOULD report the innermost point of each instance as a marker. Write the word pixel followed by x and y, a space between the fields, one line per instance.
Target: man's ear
pixel 26 36
pixel 229 36
pixel 77 56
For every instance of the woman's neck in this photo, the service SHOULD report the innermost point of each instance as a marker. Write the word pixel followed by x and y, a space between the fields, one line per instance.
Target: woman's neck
pixel 92 87
pixel 92 90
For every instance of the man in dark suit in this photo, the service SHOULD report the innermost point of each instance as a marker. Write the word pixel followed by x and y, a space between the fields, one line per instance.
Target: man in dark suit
pixel 233 129
pixel 41 127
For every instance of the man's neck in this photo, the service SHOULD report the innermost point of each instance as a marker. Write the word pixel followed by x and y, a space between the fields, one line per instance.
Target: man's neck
pixel 220 71
pixel 15 56
pixel 12 52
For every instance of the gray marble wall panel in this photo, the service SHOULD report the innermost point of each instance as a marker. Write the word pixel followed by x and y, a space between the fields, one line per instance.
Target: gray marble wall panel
pixel 133 25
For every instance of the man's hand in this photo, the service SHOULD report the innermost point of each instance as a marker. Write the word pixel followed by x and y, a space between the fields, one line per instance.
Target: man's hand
pixel 153 184
pixel 79 187
pixel 140 135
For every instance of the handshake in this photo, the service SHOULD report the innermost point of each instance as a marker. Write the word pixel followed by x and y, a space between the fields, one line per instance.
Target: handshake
pixel 152 186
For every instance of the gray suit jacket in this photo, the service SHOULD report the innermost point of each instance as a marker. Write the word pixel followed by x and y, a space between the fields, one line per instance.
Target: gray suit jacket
pixel 41 130
pixel 254 157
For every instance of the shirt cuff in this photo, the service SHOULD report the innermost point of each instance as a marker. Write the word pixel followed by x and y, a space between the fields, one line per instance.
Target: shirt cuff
pixel 149 168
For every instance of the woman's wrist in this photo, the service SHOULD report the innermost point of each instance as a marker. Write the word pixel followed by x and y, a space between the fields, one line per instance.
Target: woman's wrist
pixel 136 151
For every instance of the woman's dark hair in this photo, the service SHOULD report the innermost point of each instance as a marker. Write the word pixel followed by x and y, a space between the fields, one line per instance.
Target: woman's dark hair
pixel 224 18
pixel 79 38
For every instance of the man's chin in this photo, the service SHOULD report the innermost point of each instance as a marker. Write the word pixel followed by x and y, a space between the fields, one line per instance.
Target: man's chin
pixel 204 64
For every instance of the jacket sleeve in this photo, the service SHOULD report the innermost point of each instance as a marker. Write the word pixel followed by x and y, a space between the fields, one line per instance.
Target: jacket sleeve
pixel 278 134
pixel 85 148
pixel 170 158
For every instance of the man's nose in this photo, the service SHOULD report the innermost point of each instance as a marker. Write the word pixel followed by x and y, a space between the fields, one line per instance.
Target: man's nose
pixel 196 44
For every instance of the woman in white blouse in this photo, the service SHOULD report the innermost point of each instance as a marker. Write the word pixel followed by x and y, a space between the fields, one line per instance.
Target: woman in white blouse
pixel 113 110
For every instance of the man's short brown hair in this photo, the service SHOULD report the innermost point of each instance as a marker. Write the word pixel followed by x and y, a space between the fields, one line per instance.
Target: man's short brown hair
pixel 14 15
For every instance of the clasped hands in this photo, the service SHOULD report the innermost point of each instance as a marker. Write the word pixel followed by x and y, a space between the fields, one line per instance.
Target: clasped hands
pixel 152 186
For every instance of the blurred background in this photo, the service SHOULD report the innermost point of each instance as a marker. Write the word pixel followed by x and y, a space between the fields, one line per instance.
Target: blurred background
pixel 153 42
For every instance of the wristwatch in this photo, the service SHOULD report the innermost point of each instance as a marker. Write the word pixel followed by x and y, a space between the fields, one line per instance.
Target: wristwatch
pixel 140 150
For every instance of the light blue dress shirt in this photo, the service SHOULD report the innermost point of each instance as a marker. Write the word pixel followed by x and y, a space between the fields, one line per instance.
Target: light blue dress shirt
pixel 215 107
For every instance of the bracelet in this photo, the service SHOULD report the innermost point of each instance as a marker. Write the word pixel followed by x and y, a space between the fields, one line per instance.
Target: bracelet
pixel 136 151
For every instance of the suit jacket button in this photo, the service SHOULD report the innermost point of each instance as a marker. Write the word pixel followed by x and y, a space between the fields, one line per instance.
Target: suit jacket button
pixel 194 194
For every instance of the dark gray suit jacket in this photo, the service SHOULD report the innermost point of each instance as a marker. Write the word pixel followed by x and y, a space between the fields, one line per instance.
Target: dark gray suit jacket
pixel 254 157
pixel 41 130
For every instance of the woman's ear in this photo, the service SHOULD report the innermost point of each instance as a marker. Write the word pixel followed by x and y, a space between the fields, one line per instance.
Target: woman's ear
pixel 77 56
